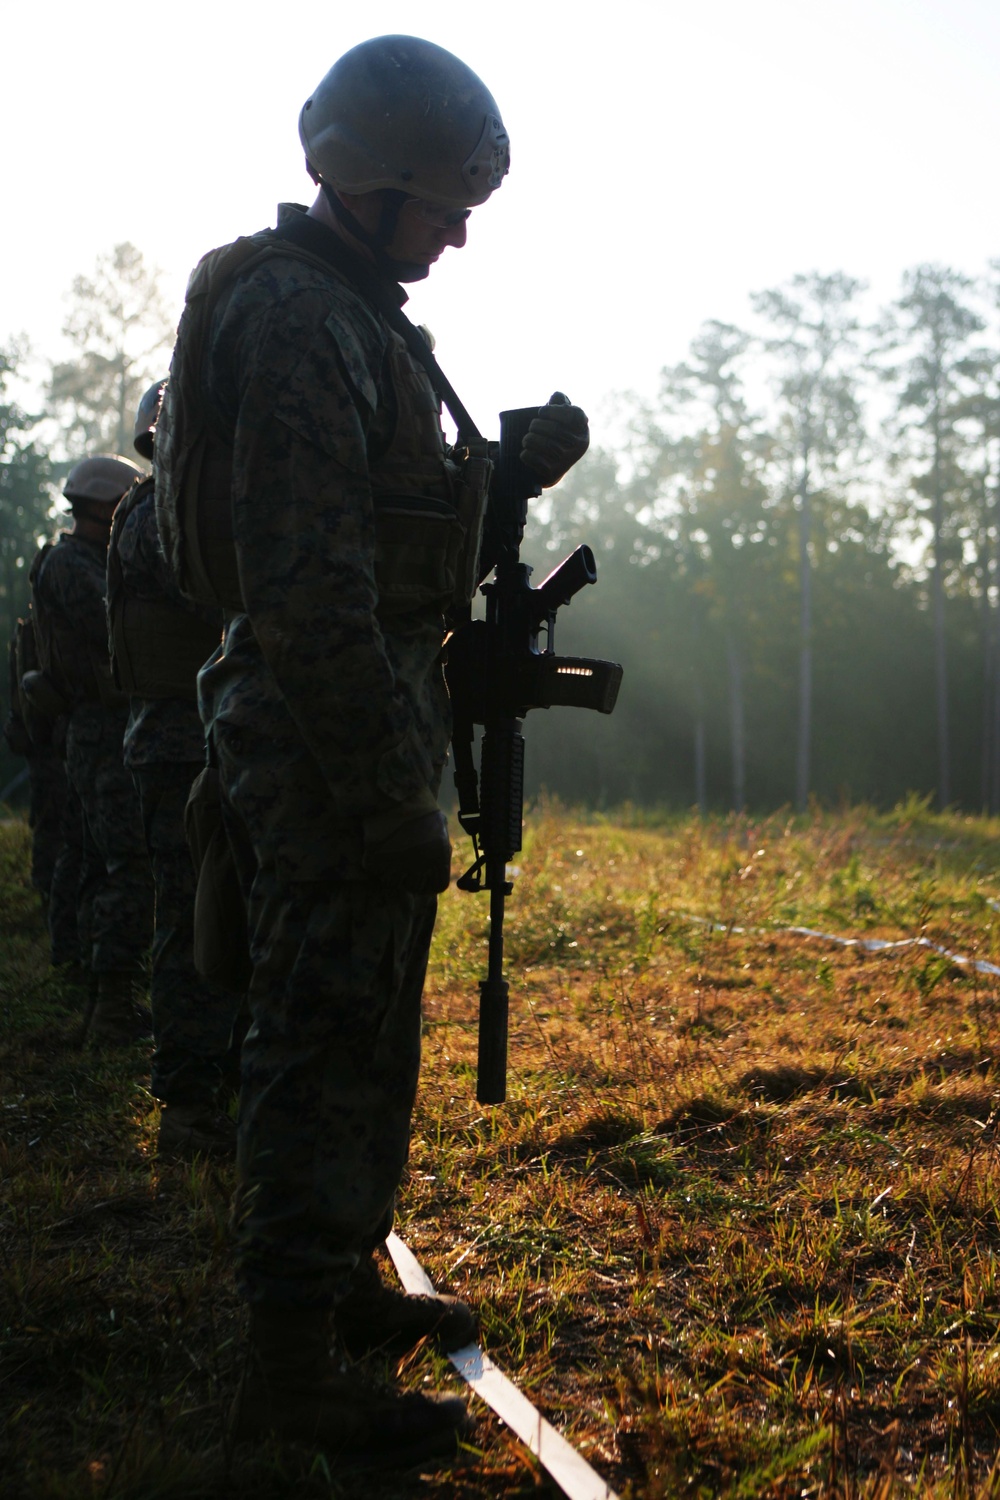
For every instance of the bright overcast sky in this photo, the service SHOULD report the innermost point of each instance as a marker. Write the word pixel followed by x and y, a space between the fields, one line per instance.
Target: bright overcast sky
pixel 667 159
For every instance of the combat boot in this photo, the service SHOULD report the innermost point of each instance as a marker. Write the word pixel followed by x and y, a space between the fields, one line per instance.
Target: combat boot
pixel 118 1019
pixel 199 1129
pixel 375 1317
pixel 293 1390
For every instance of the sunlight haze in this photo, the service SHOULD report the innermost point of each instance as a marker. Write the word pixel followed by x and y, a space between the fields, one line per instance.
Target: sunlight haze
pixel 667 160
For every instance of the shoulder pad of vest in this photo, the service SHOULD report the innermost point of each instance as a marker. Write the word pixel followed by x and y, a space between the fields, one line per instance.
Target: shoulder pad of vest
pixel 222 265
pixel 134 495
pixel 219 265
pixel 137 492
pixel 358 332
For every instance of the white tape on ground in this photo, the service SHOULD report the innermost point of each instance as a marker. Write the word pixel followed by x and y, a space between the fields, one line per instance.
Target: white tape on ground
pixel 568 1468
pixel 880 945
pixel 867 945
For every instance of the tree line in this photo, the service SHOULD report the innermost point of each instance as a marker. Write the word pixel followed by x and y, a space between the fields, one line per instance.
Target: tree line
pixel 798 541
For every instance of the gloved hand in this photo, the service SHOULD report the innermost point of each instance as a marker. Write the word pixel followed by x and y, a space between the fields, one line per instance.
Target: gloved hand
pixel 556 439
pixel 408 846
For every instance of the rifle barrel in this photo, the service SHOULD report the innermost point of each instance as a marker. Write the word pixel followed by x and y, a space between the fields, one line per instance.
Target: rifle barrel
pixel 491 1074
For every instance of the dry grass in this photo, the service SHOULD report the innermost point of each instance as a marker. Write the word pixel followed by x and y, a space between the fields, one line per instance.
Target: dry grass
pixel 735 1232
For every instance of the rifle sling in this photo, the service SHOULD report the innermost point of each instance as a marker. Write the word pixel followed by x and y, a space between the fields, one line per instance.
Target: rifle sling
pixel 385 297
pixel 466 777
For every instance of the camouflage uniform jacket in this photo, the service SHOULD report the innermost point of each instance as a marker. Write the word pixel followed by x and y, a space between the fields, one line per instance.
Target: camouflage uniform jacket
pixel 296 372
pixel 159 729
pixel 70 586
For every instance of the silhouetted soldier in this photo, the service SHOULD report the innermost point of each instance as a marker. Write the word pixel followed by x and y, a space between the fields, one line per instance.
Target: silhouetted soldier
pixel 158 642
pixel 336 526
pixel 46 773
pixel 55 814
pixel 68 587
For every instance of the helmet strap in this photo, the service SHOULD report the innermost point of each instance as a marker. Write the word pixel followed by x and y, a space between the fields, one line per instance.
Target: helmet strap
pixel 377 243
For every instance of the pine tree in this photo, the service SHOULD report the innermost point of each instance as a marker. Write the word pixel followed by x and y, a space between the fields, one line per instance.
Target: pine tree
pixel 119 323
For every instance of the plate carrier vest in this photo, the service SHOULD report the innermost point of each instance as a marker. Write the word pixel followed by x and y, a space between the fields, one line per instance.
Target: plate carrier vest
pixel 61 679
pixel 157 646
pixel 428 507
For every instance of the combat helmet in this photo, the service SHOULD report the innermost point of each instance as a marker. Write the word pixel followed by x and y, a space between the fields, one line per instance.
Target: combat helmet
pixel 401 113
pixel 100 481
pixel 146 417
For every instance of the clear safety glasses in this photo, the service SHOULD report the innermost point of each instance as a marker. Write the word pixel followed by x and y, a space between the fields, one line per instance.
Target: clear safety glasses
pixel 438 214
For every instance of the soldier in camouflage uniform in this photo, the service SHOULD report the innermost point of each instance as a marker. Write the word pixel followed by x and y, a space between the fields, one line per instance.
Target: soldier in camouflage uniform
pixel 58 871
pixel 78 869
pixel 68 586
pixel 354 528
pixel 47 776
pixel 158 642
pixel 46 773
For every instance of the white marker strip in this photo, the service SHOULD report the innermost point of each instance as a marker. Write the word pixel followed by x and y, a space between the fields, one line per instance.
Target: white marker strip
pixel 569 1469
pixel 867 945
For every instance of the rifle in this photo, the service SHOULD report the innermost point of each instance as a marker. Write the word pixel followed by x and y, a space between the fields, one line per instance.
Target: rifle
pixel 496 671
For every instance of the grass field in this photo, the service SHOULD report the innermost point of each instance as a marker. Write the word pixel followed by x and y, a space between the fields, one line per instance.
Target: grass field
pixel 735 1233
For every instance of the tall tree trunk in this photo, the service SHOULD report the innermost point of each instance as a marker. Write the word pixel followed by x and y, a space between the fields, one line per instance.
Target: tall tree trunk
pixel 699 756
pixel 700 794
pixel 995 695
pixel 803 747
pixel 940 649
pixel 987 717
pixel 123 442
pixel 736 722
pixel 15 600
pixel 994 685
pixel 987 634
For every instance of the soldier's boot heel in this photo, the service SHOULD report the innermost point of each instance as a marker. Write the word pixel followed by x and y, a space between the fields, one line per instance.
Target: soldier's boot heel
pixel 293 1390
pixel 118 1019
pixel 195 1129
pixel 374 1317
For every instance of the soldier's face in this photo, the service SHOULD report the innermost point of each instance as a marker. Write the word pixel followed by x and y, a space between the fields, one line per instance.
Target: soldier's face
pixel 425 230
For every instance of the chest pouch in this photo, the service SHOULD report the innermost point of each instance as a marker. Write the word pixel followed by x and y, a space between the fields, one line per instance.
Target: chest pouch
pixel 426 548
pixel 418 542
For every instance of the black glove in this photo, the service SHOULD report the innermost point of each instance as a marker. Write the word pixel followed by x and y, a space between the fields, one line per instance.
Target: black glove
pixel 557 437
pixel 408 846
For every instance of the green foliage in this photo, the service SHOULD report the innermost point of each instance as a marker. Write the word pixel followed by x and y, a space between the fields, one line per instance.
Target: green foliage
pixel 759 574
pixel 25 506
pixel 25 492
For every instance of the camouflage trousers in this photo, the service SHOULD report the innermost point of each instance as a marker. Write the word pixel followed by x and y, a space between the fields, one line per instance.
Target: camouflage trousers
pixel 192 1019
pixel 78 870
pixel 122 904
pixel 47 776
pixel 331 1060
